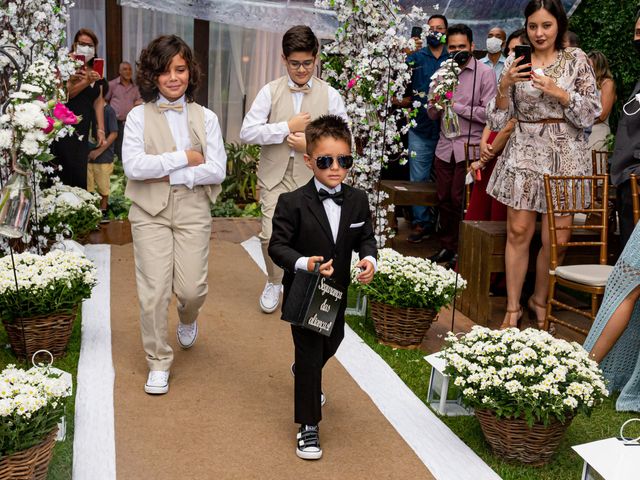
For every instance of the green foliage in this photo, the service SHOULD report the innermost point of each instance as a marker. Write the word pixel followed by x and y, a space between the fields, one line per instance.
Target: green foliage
pixel 608 25
pixel 118 204
pixel 228 208
pixel 242 180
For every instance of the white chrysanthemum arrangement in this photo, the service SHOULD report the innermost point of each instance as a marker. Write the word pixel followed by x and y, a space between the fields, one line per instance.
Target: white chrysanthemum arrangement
pixel 524 374
pixel 404 281
pixel 57 281
pixel 71 211
pixel 31 404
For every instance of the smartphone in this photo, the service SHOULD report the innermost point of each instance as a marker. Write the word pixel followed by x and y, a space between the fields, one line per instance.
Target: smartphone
pixel 98 66
pixel 524 51
pixel 416 32
pixel 79 57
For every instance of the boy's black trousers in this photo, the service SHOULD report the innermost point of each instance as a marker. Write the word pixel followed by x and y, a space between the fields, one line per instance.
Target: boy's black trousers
pixel 312 351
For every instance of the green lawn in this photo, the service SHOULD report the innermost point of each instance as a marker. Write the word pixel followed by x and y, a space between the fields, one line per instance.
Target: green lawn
pixel 410 366
pixel 62 462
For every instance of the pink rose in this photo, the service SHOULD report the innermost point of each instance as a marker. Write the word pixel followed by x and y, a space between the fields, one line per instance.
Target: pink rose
pixel 50 123
pixel 449 95
pixel 352 82
pixel 61 112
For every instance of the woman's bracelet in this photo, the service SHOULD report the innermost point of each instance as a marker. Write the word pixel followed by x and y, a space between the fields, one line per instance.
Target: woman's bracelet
pixel 500 94
pixel 100 130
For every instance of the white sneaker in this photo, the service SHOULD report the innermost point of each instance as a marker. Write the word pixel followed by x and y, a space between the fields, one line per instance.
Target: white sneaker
pixel 187 334
pixel 157 382
pixel 270 298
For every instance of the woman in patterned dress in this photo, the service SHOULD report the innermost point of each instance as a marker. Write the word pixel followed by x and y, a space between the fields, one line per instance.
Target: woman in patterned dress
pixel 553 105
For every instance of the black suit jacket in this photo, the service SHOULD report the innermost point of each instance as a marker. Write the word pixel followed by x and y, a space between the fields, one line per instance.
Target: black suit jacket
pixel 301 229
pixel 626 154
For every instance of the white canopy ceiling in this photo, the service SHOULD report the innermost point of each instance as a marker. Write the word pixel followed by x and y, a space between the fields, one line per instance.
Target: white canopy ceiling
pixel 278 15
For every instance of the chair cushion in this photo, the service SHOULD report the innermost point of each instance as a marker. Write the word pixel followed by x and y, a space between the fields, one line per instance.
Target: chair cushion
pixel 594 275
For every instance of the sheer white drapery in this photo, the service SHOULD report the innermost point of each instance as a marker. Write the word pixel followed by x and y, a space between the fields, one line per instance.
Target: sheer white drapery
pixel 88 14
pixel 241 61
pixel 140 26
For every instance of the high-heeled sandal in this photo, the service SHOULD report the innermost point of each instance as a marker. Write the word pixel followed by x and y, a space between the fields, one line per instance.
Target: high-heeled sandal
pixel 507 323
pixel 533 315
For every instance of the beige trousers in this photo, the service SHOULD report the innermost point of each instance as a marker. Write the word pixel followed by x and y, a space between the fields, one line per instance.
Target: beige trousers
pixel 171 253
pixel 268 201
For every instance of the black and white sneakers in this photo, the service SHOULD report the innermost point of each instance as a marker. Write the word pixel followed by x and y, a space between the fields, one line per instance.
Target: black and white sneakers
pixel 308 443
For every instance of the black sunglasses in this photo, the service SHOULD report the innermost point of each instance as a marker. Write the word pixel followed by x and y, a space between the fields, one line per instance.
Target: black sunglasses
pixel 325 161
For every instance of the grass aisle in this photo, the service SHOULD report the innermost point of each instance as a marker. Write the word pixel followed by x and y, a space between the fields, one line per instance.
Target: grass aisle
pixel 410 366
pixel 61 465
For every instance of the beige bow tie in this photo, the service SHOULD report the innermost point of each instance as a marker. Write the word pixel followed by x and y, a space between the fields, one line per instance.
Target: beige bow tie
pixel 163 107
pixel 297 89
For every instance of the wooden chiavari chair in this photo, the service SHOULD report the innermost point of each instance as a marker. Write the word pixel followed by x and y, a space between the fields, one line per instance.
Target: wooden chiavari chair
pixel 575 195
pixel 471 154
pixel 635 196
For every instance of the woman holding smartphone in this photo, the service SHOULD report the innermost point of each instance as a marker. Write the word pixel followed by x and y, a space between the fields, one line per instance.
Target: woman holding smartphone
pixel 85 99
pixel 553 99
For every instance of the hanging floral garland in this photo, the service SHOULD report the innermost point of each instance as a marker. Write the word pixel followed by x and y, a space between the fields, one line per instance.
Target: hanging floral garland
pixel 367 65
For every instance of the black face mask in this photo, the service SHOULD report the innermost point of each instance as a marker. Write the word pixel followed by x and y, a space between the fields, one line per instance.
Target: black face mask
pixel 461 57
pixel 636 43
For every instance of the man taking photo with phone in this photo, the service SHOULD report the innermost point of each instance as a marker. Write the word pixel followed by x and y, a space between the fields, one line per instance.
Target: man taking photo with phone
pixel 423 137
pixel 476 88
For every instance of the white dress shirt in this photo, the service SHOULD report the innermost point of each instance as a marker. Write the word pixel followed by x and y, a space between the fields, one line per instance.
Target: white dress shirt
pixel 257 130
pixel 333 211
pixel 138 165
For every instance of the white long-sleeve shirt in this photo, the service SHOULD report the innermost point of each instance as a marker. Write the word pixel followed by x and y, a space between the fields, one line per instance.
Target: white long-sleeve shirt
pixel 333 211
pixel 138 165
pixel 257 130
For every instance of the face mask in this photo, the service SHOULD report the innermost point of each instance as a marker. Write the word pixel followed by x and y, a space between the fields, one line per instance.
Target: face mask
pixel 86 50
pixel 634 99
pixel 494 45
pixel 636 43
pixel 462 57
pixel 435 39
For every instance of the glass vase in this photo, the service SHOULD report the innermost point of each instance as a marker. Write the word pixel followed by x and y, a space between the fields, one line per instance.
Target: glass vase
pixel 450 123
pixel 16 200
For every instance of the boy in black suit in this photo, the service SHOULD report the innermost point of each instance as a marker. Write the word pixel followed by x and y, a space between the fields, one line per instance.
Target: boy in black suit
pixel 323 221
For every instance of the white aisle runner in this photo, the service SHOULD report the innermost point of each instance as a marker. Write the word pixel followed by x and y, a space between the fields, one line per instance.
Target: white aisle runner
pixel 94 450
pixel 442 452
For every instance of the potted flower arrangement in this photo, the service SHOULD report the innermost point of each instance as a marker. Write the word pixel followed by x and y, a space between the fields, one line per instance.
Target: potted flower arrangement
pixel 441 89
pixel 525 387
pixel 406 294
pixel 39 311
pixel 32 402
pixel 71 211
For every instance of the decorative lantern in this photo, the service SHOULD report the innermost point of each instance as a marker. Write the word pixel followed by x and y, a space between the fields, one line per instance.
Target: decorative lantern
pixel 437 395
pixel 16 200
pixel 66 378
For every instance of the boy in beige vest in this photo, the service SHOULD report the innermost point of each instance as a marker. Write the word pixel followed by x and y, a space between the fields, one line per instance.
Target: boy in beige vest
pixel 174 158
pixel 277 119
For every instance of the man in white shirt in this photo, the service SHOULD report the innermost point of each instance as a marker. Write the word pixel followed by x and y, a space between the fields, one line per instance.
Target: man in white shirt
pixel 276 121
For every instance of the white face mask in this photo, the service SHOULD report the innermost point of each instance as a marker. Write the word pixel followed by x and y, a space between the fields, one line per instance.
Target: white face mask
pixel 634 99
pixel 86 50
pixel 494 45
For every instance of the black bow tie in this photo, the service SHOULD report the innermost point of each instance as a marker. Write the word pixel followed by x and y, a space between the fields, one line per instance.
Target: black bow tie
pixel 336 197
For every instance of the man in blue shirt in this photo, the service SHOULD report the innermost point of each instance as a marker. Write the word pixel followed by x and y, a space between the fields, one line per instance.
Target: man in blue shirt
pixel 496 40
pixel 423 137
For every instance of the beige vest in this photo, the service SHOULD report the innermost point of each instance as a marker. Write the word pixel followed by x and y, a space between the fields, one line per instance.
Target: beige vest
pixel 274 158
pixel 154 197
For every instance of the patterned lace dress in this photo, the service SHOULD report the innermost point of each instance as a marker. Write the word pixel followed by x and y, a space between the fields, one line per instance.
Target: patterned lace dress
pixel 621 366
pixel 538 148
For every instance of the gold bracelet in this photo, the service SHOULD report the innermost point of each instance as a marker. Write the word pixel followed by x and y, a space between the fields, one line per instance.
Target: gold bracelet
pixel 500 94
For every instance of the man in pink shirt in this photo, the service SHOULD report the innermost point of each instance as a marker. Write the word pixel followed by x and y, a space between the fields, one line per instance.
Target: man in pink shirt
pixel 477 87
pixel 123 96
